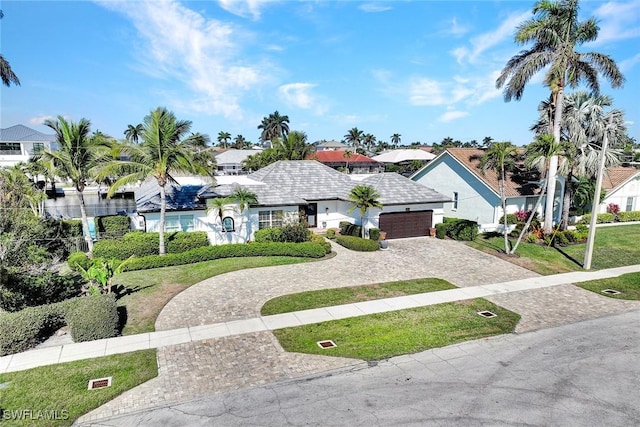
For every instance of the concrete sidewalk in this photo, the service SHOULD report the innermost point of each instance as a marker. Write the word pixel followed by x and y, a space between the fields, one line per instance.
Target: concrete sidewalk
pixel 77 351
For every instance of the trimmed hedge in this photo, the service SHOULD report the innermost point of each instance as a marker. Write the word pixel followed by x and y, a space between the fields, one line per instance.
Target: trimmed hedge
pixel 305 249
pixel 374 233
pixel 602 218
pixel 349 229
pixel 112 226
pixel 629 216
pixel 511 219
pixel 141 244
pixel 268 235
pixel 457 229
pixel 358 243
pixel 316 238
pixel 88 318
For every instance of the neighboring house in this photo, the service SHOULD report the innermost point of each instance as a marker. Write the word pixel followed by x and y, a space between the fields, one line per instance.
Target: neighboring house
pixel 622 187
pixel 229 162
pixel 404 156
pixel 476 196
pixel 330 145
pixel 353 162
pixel 284 190
pixel 19 143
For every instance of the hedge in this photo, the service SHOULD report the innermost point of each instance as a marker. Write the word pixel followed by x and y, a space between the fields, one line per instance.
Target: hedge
pixel 268 235
pixel 358 243
pixel 316 238
pixel 602 218
pixel 306 249
pixel 78 259
pixel 629 216
pixel 88 318
pixel 374 233
pixel 141 244
pixel 112 226
pixel 349 229
pixel 457 229
pixel 511 219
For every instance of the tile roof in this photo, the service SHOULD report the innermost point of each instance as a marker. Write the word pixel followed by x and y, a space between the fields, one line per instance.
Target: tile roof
pixel 516 182
pixel 395 189
pixel 337 156
pixel 330 145
pixel 615 177
pixel 234 156
pixel 22 133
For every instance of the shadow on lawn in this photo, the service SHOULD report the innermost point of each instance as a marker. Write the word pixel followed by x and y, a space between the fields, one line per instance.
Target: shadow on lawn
pixel 122 291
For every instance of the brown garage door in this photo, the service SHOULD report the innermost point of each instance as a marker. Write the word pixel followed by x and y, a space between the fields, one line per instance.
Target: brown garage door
pixel 406 224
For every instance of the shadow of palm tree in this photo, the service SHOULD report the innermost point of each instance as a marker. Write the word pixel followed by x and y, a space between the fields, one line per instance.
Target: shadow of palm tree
pixel 121 291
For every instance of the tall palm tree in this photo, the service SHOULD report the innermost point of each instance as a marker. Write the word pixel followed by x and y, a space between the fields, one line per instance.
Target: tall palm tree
pixel 239 142
pixel 555 33
pixel 78 152
pixel 133 133
pixel 164 149
pixel 244 198
pixel 223 139
pixel 369 140
pixel 6 73
pixel 274 126
pixel 293 147
pixel 499 157
pixel 217 206
pixel 347 155
pixel 363 197
pixel 395 139
pixel 354 137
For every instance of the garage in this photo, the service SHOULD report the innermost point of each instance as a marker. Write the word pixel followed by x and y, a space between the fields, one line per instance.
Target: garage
pixel 406 224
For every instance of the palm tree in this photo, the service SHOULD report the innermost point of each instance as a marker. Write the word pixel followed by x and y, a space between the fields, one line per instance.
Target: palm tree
pixel 164 150
pixel 244 198
pixel 395 139
pixel 556 32
pixel 499 157
pixel 77 153
pixel 363 197
pixel 223 139
pixel 347 155
pixel 274 126
pixel 218 206
pixel 293 147
pixel 6 73
pixel 133 133
pixel 369 141
pixel 239 142
pixel 354 137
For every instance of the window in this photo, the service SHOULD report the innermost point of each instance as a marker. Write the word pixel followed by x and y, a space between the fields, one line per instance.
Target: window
pixel 455 200
pixel 227 224
pixel 37 147
pixel 629 204
pixel 269 219
pixel 10 148
pixel 530 203
pixel 179 223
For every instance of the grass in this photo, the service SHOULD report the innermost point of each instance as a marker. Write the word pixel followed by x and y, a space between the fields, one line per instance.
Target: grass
pixel 384 335
pixel 613 247
pixel 57 395
pixel 338 296
pixel 148 291
pixel 627 284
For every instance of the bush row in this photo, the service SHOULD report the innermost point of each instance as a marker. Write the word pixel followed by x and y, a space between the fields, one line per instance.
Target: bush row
pixel 138 243
pixel 608 217
pixel 357 243
pixel 306 249
pixel 19 290
pixel 349 229
pixel 88 318
pixel 457 229
pixel 112 226
pixel 294 233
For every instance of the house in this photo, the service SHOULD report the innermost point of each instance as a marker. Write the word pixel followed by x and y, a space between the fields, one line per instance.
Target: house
pixel 622 187
pixel 476 196
pixel 284 190
pixel 229 162
pixel 347 160
pixel 19 143
pixel 330 145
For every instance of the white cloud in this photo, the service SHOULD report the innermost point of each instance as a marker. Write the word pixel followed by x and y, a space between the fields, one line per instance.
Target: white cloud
pixel 629 63
pixel 473 90
pixel 180 44
pixel 457 29
pixel 374 7
pixel 39 120
pixel 244 8
pixel 452 115
pixel 617 21
pixel 425 91
pixel 299 95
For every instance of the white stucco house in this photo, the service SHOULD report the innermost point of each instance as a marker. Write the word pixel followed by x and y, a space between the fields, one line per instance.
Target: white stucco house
pixel 229 162
pixel 19 143
pixel 476 196
pixel 284 190
pixel 622 187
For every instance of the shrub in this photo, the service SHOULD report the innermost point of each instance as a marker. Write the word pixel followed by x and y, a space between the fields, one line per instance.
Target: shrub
pixel 142 244
pixel 20 290
pixel 358 244
pixel 629 216
pixel 344 226
pixel 268 235
pixel 374 233
pixel 349 229
pixel 331 233
pixel 522 216
pixel 463 229
pixel 511 219
pixel 296 232
pixel 560 238
pixel 92 318
pixel 441 230
pixel 602 218
pixel 78 259
pixel 112 226
pixel 581 228
pixel 316 238
pixel 25 329
pixel 613 208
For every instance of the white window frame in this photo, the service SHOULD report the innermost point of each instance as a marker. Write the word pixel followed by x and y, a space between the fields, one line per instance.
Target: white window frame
pixel 456 199
pixel 180 222
pixel 630 203
pixel 270 219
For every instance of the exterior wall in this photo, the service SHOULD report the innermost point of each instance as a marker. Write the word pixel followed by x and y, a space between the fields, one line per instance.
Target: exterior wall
pixel 631 189
pixel 26 152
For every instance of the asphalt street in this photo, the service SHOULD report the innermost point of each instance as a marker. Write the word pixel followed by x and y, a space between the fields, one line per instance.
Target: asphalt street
pixel 583 374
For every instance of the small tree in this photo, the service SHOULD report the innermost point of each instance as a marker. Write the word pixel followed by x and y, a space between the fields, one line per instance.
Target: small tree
pixel 244 198
pixel 364 197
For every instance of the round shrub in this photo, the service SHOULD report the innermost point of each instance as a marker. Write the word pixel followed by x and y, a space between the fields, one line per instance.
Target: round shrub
pixel 25 329
pixel 268 235
pixel 78 259
pixel 511 219
pixel 358 243
pixel 92 318
pixel 374 233
pixel 441 230
pixel 331 233
pixel 316 238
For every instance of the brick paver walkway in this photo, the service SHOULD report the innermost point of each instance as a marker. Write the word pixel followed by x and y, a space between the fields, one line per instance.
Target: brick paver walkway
pixel 193 370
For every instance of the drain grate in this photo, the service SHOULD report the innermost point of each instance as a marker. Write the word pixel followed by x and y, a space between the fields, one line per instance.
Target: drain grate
pixel 99 383
pixel 610 291
pixel 487 314
pixel 326 344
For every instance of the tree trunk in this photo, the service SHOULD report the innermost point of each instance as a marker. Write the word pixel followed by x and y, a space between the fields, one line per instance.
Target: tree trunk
pixel 528 223
pixel 85 222
pixel 504 213
pixel 553 162
pixel 566 204
pixel 163 209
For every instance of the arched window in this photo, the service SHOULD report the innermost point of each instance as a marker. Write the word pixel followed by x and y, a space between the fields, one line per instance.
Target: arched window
pixel 227 224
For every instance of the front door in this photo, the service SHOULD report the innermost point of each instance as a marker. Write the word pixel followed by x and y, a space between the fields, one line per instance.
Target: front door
pixel 311 213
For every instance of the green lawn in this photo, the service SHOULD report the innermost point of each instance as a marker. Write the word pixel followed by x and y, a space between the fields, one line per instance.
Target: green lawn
pixel 338 296
pixel 150 290
pixel 614 247
pixel 628 285
pixel 57 395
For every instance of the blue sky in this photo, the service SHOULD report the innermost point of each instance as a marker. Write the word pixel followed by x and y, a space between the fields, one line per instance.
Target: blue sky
pixel 423 69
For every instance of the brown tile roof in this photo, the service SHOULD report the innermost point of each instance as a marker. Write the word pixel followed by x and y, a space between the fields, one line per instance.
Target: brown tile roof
pixel 615 177
pixel 337 156
pixel 516 183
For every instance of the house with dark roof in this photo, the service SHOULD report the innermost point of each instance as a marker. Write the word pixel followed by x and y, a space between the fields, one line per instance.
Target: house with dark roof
pixel 476 195
pixel 19 143
pixel 345 160
pixel 622 187
pixel 285 190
